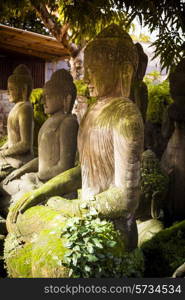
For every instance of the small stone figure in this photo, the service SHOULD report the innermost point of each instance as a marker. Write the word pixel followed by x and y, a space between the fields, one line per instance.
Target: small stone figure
pixel 139 90
pixel 154 186
pixel 110 143
pixel 19 148
pixel 57 139
pixel 173 159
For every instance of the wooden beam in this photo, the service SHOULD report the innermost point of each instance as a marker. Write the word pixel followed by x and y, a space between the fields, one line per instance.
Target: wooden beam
pixel 39 47
pixel 31 43
pixel 43 55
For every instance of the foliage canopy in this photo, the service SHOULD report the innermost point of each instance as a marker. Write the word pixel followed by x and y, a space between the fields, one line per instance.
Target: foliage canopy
pixel 87 17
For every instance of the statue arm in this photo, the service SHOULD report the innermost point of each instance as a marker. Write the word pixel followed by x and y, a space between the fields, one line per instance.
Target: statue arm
pixel 5 146
pixel 26 132
pixel 64 183
pixel 31 166
pixel 128 147
pixel 68 146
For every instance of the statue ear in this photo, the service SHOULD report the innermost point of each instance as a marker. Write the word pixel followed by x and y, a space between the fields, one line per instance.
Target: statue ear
pixel 67 104
pixel 25 92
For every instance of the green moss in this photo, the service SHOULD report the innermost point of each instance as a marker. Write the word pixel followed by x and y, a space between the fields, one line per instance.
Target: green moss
pixel 63 183
pixel 165 251
pixel 158 100
pixel 17 258
pixel 35 219
pixel 122 109
pixel 48 254
pixel 44 254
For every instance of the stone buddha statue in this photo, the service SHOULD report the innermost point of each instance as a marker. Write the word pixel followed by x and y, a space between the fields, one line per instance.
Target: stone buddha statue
pixel 19 148
pixel 139 90
pixel 173 159
pixel 110 143
pixel 57 139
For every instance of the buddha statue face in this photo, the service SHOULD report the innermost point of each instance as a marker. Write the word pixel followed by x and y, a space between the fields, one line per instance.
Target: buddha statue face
pixel 15 92
pixel 109 62
pixel 177 83
pixel 109 80
pixel 59 93
pixel 20 84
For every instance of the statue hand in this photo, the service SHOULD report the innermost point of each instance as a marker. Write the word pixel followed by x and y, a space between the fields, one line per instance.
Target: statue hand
pixel 16 209
pixel 13 175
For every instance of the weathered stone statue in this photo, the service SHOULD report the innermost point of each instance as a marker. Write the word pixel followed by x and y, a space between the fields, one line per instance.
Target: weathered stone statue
pixel 139 90
pixel 57 139
pixel 154 186
pixel 110 144
pixel 19 148
pixel 173 159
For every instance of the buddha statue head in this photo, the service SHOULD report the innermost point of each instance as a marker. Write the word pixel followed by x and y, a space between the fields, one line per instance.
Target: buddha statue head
pixel 59 93
pixel 142 64
pixel 177 81
pixel 110 61
pixel 20 84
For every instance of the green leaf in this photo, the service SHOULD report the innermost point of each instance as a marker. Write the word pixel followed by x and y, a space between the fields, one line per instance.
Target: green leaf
pixel 97 243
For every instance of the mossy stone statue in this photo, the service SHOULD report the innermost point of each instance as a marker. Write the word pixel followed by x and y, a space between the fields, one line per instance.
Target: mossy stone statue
pixel 62 247
pixel 110 143
pixel 57 139
pixel 19 148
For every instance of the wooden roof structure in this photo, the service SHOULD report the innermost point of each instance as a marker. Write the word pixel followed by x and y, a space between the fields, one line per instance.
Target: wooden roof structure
pixel 30 43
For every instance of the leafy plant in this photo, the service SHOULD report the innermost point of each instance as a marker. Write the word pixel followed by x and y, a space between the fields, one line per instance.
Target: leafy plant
pixel 82 88
pixel 97 250
pixel 154 183
pixel 158 100
pixel 39 115
pixel 3 140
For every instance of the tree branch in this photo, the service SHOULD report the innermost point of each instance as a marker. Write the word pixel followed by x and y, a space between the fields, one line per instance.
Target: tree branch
pixel 55 28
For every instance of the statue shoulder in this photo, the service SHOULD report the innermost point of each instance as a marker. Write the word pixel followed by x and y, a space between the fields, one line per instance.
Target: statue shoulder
pixel 25 107
pixel 130 125
pixel 70 121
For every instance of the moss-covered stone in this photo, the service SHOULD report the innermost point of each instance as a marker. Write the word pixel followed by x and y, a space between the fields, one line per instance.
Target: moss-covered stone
pixel 64 183
pixel 36 219
pixel 36 256
pixel 148 229
pixel 165 251
pixel 44 247
pixel 18 258
pixel 48 255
